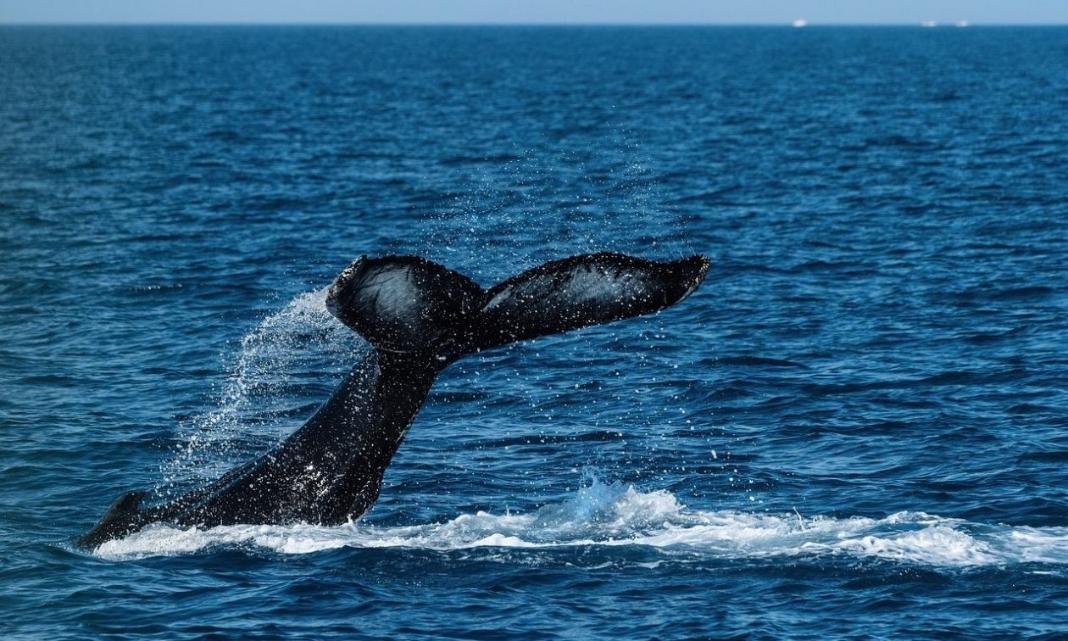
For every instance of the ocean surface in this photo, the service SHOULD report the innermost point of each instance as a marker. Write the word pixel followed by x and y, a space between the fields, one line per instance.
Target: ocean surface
pixel 857 427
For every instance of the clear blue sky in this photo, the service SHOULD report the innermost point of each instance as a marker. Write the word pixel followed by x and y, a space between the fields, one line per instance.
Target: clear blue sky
pixel 537 11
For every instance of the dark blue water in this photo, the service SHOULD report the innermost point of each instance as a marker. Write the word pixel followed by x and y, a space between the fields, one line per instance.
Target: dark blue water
pixel 857 427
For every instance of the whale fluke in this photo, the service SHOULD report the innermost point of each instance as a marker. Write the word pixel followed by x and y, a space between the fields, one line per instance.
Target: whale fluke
pixel 406 304
pixel 419 317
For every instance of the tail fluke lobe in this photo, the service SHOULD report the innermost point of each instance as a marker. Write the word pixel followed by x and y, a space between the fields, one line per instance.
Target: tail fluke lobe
pixel 581 291
pixel 404 304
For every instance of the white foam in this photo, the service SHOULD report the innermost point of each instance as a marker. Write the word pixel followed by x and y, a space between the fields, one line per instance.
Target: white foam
pixel 612 516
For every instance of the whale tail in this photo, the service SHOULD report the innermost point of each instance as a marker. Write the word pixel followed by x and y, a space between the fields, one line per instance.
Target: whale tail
pixel 412 306
pixel 419 316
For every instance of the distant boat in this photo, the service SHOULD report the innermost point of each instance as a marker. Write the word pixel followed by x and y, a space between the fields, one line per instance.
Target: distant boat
pixel 800 22
pixel 963 23
pixel 928 23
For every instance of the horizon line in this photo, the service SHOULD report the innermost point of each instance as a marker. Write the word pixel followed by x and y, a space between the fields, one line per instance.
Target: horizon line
pixel 951 24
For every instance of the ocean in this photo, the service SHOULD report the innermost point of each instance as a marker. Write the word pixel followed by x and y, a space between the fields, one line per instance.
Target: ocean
pixel 856 428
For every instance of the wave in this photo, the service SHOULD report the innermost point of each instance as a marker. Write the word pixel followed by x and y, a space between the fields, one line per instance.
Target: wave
pixel 614 516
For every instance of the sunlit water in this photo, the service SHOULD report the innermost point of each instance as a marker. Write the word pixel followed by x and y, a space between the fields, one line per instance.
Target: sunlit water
pixel 856 427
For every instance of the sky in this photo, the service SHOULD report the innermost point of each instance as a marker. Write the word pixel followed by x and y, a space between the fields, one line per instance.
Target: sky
pixel 536 11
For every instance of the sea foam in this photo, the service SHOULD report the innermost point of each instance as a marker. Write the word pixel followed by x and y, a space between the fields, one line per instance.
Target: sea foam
pixel 613 516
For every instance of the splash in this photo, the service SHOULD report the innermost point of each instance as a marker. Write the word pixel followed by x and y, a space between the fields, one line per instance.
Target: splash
pixel 287 351
pixel 614 516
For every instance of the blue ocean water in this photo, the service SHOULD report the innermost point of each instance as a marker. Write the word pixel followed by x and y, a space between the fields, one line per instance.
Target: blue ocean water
pixel 856 428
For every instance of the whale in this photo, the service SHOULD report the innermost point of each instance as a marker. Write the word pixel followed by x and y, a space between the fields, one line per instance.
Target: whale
pixel 419 317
